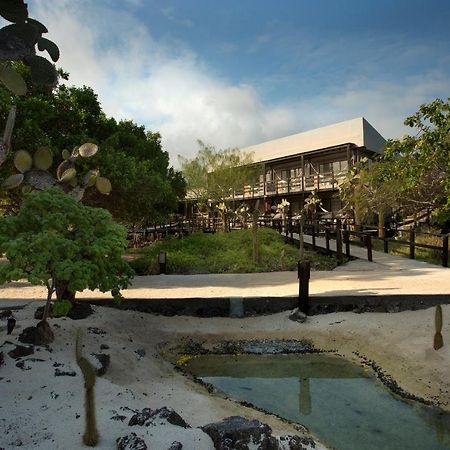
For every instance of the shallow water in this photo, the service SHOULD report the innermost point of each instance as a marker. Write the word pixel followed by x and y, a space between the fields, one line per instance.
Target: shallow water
pixel 341 403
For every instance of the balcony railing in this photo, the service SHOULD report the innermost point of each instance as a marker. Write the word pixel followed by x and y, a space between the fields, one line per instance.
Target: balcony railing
pixel 317 182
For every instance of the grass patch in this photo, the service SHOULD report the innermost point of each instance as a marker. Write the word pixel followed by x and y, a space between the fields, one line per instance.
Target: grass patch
pixel 225 253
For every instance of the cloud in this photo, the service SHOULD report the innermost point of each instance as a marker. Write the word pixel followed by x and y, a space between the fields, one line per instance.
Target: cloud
pixel 168 88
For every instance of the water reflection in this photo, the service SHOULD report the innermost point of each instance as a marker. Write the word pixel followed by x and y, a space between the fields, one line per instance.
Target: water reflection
pixel 338 401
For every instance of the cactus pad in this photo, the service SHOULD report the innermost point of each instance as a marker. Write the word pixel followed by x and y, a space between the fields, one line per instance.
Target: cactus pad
pixel 23 161
pixel 65 154
pixel 39 179
pixel 68 175
pixel 13 181
pixel 87 150
pixel 65 165
pixel 103 185
pixel 90 177
pixel 43 158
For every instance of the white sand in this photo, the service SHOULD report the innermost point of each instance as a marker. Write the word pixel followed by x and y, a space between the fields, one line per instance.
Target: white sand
pixel 46 417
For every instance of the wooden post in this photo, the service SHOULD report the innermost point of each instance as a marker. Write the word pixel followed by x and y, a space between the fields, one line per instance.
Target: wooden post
pixel 385 245
pixel 339 240
pixel 369 247
pixel 445 251
pixel 412 238
pixel 346 237
pixel 314 234
pixel 304 271
pixel 327 240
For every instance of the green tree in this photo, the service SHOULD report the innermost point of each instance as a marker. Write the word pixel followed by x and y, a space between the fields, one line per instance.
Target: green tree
pixel 369 188
pixel 59 243
pixel 213 175
pixel 412 175
pixel 421 163
pixel 130 157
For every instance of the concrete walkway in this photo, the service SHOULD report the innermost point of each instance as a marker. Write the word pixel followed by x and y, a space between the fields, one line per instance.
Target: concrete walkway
pixel 386 276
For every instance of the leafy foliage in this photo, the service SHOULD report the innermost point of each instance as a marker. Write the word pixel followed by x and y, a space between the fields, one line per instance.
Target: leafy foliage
pixel 54 238
pixel 422 162
pixel 215 174
pixel 413 174
pixel 130 157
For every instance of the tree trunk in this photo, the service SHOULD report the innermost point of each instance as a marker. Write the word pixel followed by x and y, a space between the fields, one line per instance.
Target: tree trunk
pixel 381 228
pixel 46 312
pixel 63 292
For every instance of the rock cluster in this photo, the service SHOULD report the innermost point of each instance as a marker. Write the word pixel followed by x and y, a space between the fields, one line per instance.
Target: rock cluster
pixel 232 433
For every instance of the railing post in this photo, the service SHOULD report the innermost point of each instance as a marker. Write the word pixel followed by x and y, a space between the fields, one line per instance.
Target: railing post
pixel 304 271
pixel 327 240
pixel 412 247
pixel 445 251
pixel 314 234
pixel 291 229
pixel 369 247
pixel 385 245
pixel 346 237
pixel 339 240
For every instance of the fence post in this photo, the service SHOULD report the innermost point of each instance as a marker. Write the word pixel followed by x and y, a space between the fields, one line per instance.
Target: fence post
pixel 327 240
pixel 291 229
pixel 385 245
pixel 304 271
pixel 369 247
pixel 412 239
pixel 314 235
pixel 445 251
pixel 346 237
pixel 339 240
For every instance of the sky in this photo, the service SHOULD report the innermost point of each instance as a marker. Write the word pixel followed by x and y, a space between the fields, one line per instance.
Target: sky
pixel 239 72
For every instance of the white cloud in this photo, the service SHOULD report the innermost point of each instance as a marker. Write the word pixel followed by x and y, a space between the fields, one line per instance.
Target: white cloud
pixel 168 89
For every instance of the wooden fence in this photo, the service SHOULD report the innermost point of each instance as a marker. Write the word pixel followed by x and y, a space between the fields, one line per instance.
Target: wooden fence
pixel 343 232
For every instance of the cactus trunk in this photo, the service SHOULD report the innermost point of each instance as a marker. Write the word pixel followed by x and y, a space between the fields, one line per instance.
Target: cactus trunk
pixel 90 436
pixel 438 341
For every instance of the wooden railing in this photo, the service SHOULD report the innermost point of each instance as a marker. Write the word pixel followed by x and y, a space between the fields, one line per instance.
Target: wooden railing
pixel 343 232
pixel 317 182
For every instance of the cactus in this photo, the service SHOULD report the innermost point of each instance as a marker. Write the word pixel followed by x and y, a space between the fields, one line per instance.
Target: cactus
pixel 438 341
pixel 103 185
pixel 90 178
pixel 90 437
pixel 87 150
pixel 43 158
pixel 65 154
pixel 23 161
pixel 35 174
pixel 68 175
pixel 13 181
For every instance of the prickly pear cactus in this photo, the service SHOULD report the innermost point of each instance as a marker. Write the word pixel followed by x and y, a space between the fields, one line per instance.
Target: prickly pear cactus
pixel 34 172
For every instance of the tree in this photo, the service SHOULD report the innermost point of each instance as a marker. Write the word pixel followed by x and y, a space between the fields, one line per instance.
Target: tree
pixel 130 157
pixel 421 163
pixel 368 189
pixel 55 241
pixel 412 175
pixel 214 175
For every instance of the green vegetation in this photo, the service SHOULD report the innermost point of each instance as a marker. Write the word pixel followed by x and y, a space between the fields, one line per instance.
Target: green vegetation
pixel 412 176
pixel 225 253
pixel 64 245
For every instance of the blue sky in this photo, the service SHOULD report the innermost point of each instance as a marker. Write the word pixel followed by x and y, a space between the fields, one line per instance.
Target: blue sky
pixel 236 73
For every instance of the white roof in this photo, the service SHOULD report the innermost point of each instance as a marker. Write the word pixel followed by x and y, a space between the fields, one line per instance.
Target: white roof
pixel 355 131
